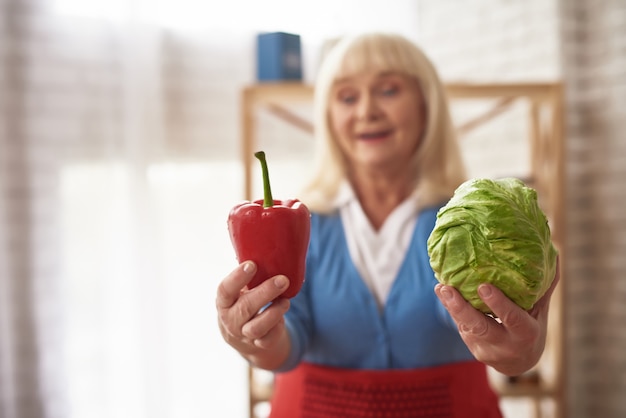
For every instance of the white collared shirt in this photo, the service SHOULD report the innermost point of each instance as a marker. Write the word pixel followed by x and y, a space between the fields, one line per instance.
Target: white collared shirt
pixel 377 255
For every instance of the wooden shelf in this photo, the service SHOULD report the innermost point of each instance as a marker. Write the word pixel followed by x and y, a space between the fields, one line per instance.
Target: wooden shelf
pixel 546 146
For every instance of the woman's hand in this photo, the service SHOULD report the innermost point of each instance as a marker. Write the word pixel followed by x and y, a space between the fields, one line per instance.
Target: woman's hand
pixel 258 334
pixel 513 343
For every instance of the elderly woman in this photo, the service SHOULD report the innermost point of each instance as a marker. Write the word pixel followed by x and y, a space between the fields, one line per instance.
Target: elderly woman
pixel 372 333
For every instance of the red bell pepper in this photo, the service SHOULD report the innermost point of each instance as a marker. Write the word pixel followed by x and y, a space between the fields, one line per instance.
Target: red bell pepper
pixel 272 233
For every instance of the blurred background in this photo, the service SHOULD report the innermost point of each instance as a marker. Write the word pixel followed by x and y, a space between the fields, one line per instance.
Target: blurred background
pixel 120 142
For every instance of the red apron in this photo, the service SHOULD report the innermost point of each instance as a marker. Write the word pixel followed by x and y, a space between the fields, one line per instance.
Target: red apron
pixel 450 391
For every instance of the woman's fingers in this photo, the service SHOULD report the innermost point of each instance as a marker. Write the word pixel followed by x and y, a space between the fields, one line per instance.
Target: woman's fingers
pixel 271 338
pixel 508 312
pixel 241 312
pixel 230 288
pixel 468 319
pixel 511 344
pixel 251 302
pixel 252 320
pixel 260 328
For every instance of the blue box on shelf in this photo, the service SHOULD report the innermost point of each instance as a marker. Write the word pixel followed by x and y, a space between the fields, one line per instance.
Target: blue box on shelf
pixel 279 57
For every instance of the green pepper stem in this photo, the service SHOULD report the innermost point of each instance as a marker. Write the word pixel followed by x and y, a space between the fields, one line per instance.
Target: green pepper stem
pixel 268 201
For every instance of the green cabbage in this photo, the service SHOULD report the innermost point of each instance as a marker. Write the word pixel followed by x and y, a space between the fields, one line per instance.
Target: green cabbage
pixel 493 231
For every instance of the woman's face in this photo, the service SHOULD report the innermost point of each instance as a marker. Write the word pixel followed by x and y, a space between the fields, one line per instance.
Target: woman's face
pixel 377 119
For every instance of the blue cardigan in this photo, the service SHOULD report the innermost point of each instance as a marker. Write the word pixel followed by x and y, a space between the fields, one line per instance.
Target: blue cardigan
pixel 335 320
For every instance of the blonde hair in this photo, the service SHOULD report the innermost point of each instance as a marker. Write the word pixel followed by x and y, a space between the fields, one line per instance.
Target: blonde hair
pixel 437 164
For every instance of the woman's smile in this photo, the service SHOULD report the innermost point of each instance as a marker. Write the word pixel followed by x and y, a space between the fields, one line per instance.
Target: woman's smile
pixel 371 136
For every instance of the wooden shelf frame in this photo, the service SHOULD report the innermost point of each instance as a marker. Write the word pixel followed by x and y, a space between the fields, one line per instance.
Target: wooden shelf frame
pixel 547 158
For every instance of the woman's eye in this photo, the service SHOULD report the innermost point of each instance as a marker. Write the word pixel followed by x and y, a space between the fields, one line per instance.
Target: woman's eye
pixel 388 90
pixel 347 98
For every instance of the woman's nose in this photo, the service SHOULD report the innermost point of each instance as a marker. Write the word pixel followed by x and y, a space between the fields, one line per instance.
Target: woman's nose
pixel 368 108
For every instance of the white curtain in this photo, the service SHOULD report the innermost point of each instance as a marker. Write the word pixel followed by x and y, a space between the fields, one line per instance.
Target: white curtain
pixel 118 165
pixel 112 227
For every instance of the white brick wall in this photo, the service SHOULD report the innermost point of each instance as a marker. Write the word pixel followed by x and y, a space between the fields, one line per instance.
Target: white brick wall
pixel 594 58
pixel 490 40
